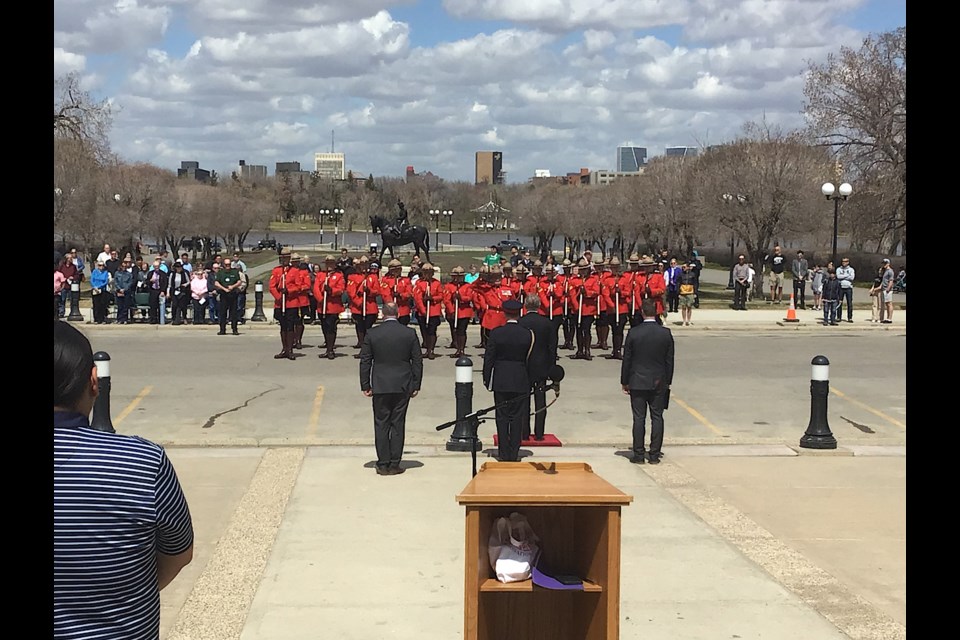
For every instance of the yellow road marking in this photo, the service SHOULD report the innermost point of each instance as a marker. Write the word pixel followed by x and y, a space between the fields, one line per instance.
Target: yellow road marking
pixel 865 407
pixel 133 405
pixel 315 414
pixel 696 414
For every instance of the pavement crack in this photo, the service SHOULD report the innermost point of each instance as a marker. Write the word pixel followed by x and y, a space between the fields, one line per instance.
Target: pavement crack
pixel 213 418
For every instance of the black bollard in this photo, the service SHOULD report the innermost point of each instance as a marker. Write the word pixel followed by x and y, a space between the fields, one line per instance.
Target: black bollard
pixel 75 314
pixel 464 436
pixel 101 406
pixel 258 295
pixel 818 435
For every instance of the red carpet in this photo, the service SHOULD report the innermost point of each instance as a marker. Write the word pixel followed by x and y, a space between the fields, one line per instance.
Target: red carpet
pixel 549 440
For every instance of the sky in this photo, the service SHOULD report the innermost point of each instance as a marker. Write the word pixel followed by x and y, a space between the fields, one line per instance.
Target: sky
pixel 552 84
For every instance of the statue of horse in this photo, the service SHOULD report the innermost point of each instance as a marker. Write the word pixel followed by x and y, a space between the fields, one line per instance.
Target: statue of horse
pixel 418 236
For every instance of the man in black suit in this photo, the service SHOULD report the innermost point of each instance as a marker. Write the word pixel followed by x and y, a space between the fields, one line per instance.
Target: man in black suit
pixel 646 375
pixel 505 372
pixel 391 370
pixel 542 358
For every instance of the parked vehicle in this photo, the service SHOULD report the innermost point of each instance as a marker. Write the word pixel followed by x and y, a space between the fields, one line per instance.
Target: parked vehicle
pixel 267 243
pixel 506 245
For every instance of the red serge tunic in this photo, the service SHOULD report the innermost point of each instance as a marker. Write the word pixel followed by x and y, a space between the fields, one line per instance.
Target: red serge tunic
pixel 337 284
pixel 436 297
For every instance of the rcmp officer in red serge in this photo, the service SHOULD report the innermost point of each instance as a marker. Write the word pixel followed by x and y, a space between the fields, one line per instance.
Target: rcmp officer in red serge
pixel 363 288
pixel 288 287
pixel 328 288
pixel 505 373
pixel 396 288
pixel 551 298
pixel 428 295
pixel 459 300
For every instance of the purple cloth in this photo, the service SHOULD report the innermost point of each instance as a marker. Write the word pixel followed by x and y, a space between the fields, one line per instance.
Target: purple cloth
pixel 543 580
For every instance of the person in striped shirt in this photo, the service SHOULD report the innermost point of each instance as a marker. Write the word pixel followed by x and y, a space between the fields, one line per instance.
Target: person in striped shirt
pixel 121 525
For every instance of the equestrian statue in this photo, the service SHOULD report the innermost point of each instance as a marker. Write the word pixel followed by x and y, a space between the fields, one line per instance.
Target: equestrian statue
pixel 399 233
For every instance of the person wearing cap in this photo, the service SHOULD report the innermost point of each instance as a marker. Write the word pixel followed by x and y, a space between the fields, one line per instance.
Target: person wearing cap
pixel 227 283
pixel 646 375
pixel 302 298
pixel 459 300
pixel 510 280
pixel 519 281
pixel 99 279
pixel 506 374
pixel 396 288
pixel 653 285
pixel 887 281
pixel 583 295
pixel 428 290
pixel 492 296
pixel 328 288
pixel 308 312
pixel 391 372
pixel 531 283
pixel 618 290
pixel 363 287
pixel 286 285
pixel 604 303
pixel 569 318
pixel 636 277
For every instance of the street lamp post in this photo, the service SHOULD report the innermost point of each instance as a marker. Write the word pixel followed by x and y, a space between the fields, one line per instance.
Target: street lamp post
pixel 335 215
pixel 448 214
pixel 831 192
pixel 435 214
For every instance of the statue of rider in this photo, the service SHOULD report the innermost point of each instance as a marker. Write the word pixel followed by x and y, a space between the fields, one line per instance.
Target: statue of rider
pixel 402 223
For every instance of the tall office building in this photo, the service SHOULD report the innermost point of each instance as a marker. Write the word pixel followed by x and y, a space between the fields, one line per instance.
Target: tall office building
pixel 680 152
pixel 251 171
pixel 631 159
pixel 489 167
pixel 329 165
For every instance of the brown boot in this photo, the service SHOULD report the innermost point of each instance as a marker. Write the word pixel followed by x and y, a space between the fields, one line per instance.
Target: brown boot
pixel 432 343
pixel 604 337
pixel 586 351
pixel 298 336
pixel 361 336
pixel 617 346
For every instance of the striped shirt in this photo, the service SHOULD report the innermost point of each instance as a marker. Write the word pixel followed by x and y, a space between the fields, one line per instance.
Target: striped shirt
pixel 116 503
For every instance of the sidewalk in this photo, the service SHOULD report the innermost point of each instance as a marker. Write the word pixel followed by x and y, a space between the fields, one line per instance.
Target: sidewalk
pixel 719 542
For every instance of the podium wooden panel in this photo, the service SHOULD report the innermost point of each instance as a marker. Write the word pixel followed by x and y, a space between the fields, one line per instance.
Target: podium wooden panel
pixel 576 515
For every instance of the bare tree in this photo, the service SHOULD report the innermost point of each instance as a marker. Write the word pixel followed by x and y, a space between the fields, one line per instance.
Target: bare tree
pixel 76 116
pixel 857 104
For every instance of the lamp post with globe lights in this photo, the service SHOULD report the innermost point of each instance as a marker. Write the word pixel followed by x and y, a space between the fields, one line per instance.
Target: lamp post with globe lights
pixel 435 214
pixel 832 192
pixel 448 214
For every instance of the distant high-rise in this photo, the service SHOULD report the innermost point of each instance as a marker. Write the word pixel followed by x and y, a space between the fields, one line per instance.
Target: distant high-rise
pixel 680 152
pixel 250 171
pixel 191 169
pixel 329 165
pixel 631 159
pixel 489 167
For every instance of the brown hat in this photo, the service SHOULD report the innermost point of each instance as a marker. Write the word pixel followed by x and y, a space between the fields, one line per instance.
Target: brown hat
pixel 363 259
pixel 550 268
pixel 329 259
pixel 484 269
pixel 567 263
pixel 634 259
pixel 295 256
pixel 285 251
pixel 394 263
pixel 646 261
pixel 457 271
pixel 520 268
pixel 614 261
pixel 305 258
pixel 426 266
pixel 495 270
pixel 582 263
pixel 537 263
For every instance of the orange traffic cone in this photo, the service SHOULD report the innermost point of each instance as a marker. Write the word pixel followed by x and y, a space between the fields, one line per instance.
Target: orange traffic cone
pixel 791 312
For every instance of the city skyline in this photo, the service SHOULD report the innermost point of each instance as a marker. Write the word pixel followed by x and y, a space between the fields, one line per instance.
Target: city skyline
pixel 556 85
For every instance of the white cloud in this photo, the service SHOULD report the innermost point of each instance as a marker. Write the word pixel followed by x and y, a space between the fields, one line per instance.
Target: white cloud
pixel 558 87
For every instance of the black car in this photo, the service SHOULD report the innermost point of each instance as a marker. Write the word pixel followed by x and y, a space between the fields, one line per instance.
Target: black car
pixel 267 243
pixel 506 245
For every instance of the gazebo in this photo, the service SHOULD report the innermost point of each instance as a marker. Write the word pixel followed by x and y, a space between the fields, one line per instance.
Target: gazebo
pixel 489 211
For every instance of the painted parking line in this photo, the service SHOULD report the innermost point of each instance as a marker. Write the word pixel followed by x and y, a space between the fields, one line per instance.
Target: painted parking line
pixel 696 414
pixel 133 404
pixel 865 407
pixel 315 414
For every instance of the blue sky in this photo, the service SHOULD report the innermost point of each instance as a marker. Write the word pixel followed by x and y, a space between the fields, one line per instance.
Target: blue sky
pixel 554 84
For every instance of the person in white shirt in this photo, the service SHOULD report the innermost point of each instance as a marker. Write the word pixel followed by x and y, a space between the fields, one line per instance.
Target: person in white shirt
pixel 104 255
pixel 753 272
pixel 846 275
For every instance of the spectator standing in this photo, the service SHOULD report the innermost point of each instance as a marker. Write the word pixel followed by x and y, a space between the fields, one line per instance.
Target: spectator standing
pixel 124 289
pixel 472 276
pixel 831 297
pixel 846 276
pixel 112 263
pixel 185 261
pixel 492 259
pixel 99 279
pixel 696 268
pixel 345 263
pixel 741 283
pixel 157 283
pixel 687 288
pixel 58 282
pixel 104 255
pixel 167 261
pixel 816 286
pixel 179 293
pixel 672 276
pixel 121 525
pixel 800 270
pixel 70 275
pixel 514 257
pixel 198 294
pixel 78 262
pixel 753 275
pixel 242 295
pixel 213 294
pixel 777 263
pixel 876 297
pixel 886 282
pixel 238 263
pixel 227 282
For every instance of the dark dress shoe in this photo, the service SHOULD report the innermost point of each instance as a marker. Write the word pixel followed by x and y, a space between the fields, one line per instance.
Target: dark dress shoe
pixel 221 333
pixel 236 333
pixel 395 471
pixel 637 459
pixel 383 471
pixel 654 460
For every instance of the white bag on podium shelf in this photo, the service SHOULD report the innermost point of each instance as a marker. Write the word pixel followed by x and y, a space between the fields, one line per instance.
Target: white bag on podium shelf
pixel 513 548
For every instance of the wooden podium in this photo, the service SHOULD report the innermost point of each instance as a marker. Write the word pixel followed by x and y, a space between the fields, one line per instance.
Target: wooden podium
pixel 576 515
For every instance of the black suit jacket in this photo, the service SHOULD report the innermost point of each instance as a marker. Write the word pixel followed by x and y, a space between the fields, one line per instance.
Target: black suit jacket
pixel 647 358
pixel 184 284
pixel 390 359
pixel 544 354
pixel 505 360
